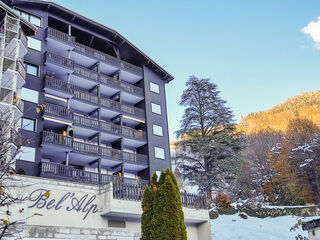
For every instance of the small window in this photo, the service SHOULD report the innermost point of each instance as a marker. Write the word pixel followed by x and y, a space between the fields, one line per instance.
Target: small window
pixel 27 154
pixel 27 124
pixel 157 130
pixel 154 87
pixel 159 152
pixel 34 44
pixel 32 69
pixel 156 108
pixel 35 20
pixel 29 95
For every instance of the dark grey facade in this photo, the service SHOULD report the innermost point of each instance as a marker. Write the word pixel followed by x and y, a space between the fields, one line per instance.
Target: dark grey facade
pixel 97 115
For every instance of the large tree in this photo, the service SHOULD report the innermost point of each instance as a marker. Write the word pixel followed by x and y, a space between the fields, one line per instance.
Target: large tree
pixel 209 146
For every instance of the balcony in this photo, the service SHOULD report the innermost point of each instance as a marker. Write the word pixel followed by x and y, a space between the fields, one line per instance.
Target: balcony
pixel 92 149
pixel 59 171
pixel 59 41
pixel 50 138
pixel 58 64
pixel 122 188
pixel 57 111
pixel 58 87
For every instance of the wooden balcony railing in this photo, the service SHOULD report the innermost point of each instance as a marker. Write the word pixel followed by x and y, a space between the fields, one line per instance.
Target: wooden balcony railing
pixel 59 60
pixel 85 72
pixel 86 96
pixel 60 171
pixel 56 139
pixel 58 111
pixel 58 84
pixel 61 36
pixel 89 148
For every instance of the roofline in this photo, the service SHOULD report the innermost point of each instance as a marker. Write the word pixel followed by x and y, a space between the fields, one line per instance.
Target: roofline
pixel 168 76
pixel 8 9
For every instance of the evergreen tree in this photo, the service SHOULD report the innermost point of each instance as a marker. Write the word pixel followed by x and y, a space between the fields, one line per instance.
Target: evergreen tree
pixel 208 150
pixel 162 216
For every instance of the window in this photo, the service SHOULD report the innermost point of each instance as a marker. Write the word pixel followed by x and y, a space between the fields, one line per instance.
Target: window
pixel 27 124
pixel 27 154
pixel 32 69
pixel 157 130
pixel 29 17
pixel 159 152
pixel 29 95
pixel 155 108
pixel 34 44
pixel 154 87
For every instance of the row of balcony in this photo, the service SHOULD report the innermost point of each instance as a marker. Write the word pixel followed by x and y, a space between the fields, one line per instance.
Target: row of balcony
pixel 99 125
pixel 93 75
pixel 91 52
pixel 91 149
pixel 91 98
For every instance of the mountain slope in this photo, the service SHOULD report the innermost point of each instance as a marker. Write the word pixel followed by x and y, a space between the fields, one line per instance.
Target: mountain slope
pixel 304 105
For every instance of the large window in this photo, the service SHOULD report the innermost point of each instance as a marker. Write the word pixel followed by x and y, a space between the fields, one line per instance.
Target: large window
pixel 27 154
pixel 156 108
pixel 27 124
pixel 159 152
pixel 29 17
pixel 154 87
pixel 29 95
pixel 32 69
pixel 34 44
pixel 157 130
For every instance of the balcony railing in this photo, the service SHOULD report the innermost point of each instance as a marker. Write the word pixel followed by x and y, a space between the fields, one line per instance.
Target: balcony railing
pixel 56 139
pixel 85 72
pixel 123 188
pixel 58 84
pixel 21 70
pixel 23 38
pixel 88 148
pixel 58 111
pixel 19 104
pixel 61 36
pixel 59 60
pixel 85 96
pixel 59 171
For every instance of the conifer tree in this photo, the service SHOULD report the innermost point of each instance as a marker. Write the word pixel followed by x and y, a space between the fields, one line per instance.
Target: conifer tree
pixel 208 150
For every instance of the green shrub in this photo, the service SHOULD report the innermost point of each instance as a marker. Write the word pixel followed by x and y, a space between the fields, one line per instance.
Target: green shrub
pixel 21 171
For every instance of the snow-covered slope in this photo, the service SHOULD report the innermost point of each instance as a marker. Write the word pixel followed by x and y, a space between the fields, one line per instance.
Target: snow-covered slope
pixel 231 227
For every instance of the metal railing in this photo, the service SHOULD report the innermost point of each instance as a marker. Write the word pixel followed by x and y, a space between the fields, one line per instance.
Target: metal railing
pixel 57 139
pixel 61 36
pixel 20 69
pixel 59 60
pixel 58 84
pixel 23 38
pixel 58 111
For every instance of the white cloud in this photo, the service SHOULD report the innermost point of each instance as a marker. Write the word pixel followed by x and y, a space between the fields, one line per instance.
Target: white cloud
pixel 313 31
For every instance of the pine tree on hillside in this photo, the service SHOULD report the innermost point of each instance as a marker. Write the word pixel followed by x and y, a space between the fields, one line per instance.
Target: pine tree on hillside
pixel 208 150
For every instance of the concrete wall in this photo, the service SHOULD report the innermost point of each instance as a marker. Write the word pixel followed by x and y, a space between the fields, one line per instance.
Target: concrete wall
pixel 80 211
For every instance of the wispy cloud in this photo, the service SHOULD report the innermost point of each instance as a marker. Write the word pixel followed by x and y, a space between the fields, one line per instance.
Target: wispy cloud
pixel 313 31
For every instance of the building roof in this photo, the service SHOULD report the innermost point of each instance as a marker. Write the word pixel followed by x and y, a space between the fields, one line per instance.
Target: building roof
pixel 114 37
pixel 311 225
pixel 28 28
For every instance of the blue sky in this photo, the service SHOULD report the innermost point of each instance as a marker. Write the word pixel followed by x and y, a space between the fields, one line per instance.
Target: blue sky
pixel 254 50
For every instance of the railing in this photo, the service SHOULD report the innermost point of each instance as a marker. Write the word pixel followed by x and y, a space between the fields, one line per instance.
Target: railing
pixel 21 70
pixel 58 84
pixel 85 72
pixel 23 38
pixel 85 148
pixel 57 139
pixel 91 52
pixel 56 34
pixel 134 158
pixel 86 121
pixel 19 104
pixel 57 59
pixel 193 200
pixel 59 171
pixel 58 111
pixel 85 96
pixel 131 88
pixel 127 191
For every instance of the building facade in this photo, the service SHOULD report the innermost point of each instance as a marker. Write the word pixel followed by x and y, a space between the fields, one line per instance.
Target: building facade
pixel 95 128
pixel 313 228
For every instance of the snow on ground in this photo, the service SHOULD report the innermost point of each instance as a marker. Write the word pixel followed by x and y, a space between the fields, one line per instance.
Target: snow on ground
pixel 231 227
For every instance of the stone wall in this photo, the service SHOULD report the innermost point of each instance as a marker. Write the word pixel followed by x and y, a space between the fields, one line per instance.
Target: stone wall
pixel 33 232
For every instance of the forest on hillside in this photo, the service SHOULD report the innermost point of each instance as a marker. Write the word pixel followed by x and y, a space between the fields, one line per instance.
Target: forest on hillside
pixel 271 157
